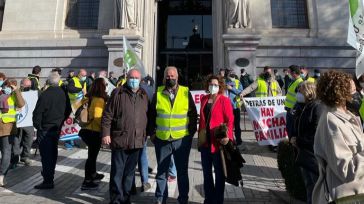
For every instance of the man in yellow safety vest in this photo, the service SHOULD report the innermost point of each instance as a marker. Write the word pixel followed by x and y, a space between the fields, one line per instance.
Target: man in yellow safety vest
pixel 173 118
pixel 304 75
pixel 291 100
pixel 34 78
pixel 77 89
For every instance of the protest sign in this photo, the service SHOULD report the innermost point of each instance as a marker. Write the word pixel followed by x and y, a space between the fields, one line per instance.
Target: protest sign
pixel 69 130
pixel 24 116
pixel 197 95
pixel 268 119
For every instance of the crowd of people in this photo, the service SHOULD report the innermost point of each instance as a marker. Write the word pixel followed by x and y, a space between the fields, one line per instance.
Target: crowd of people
pixel 324 122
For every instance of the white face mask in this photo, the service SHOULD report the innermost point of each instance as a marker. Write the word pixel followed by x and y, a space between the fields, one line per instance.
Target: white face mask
pixel 213 89
pixel 300 97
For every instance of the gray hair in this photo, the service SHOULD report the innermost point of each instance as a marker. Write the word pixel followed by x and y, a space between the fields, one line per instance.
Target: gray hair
pixel 136 70
pixel 170 68
pixel 102 74
pixel 54 78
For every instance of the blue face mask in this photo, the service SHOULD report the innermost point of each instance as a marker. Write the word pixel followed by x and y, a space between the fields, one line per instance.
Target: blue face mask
pixel 133 83
pixel 83 78
pixel 1 83
pixel 7 90
pixel 302 76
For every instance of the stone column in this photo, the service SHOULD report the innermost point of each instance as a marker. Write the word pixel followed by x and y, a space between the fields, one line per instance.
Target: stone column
pixel 240 50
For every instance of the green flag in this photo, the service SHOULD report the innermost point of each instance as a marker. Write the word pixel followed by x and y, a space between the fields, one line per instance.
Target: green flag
pixel 131 59
pixel 356 33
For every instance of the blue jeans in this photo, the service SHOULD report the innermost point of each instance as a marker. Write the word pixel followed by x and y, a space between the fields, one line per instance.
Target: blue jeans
pixel 48 148
pixel 123 163
pixel 172 168
pixel 5 149
pixel 214 193
pixel 180 149
pixel 310 180
pixel 143 165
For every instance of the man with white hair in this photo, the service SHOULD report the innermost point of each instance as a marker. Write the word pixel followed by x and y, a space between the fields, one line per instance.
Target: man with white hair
pixel 52 109
pixel 173 122
pixel 124 124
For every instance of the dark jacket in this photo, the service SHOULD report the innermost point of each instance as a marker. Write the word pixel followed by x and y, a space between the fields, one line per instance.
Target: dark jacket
pixel 191 114
pixel 71 86
pixel 307 125
pixel 287 82
pixel 35 84
pixel 354 105
pixel 125 118
pixel 52 109
pixel 89 81
pixel 245 81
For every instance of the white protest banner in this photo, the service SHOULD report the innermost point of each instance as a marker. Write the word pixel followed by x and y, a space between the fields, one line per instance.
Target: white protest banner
pixel 69 130
pixel 24 117
pixel 268 119
pixel 356 33
pixel 197 95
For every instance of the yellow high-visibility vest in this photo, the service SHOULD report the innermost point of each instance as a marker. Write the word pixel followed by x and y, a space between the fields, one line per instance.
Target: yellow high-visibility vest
pixel 361 110
pixel 10 116
pixel 60 83
pixel 311 79
pixel 121 82
pixel 237 98
pixel 262 90
pixel 36 79
pixel 291 93
pixel 77 96
pixel 172 121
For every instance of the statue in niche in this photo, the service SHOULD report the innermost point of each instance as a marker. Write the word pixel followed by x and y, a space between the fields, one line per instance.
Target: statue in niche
pixel 238 14
pixel 125 14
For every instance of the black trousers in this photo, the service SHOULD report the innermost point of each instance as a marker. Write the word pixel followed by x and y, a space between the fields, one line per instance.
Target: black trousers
pixel 23 142
pixel 48 148
pixel 123 164
pixel 237 129
pixel 93 141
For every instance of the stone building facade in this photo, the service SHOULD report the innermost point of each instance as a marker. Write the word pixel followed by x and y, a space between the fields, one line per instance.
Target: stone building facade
pixel 75 34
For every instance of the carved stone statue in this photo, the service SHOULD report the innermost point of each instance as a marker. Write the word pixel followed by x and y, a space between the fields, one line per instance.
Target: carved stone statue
pixel 238 14
pixel 125 14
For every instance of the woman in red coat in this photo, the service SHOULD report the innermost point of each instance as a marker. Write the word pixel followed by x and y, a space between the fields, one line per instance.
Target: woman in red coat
pixel 215 110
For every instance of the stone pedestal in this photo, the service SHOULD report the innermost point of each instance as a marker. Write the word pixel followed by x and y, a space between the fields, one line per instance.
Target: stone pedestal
pixel 114 43
pixel 240 50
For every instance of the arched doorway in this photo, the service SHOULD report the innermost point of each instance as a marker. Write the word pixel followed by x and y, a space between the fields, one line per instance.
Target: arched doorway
pixel 185 40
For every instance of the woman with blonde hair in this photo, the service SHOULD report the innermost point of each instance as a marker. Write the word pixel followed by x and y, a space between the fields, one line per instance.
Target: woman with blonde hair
pixel 307 117
pixel 338 146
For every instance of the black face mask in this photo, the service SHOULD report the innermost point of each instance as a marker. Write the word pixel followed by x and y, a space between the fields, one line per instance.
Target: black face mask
pixel 26 89
pixel 267 76
pixel 170 83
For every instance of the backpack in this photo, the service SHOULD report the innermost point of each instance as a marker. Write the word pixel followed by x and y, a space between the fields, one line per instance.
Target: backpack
pixel 81 115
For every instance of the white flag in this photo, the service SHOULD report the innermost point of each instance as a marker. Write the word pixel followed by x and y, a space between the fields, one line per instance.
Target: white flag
pixel 356 33
pixel 131 59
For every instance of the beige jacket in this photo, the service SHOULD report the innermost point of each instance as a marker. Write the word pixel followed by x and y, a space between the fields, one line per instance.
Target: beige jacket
pixel 339 149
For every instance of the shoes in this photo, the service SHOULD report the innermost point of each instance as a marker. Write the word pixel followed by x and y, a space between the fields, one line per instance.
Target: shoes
pixel 273 148
pixel 146 187
pixel 133 190
pixel 2 181
pixel 26 161
pixel 89 185
pixel 44 186
pixel 68 146
pixel 98 177
pixel 172 178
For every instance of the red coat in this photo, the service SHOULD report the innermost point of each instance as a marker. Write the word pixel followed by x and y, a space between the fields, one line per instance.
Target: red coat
pixel 222 112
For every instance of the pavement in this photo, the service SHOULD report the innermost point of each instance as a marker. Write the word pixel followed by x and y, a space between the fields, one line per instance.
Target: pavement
pixel 262 182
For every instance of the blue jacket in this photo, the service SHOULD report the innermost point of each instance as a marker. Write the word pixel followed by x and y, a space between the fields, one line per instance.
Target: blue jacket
pixel 233 93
